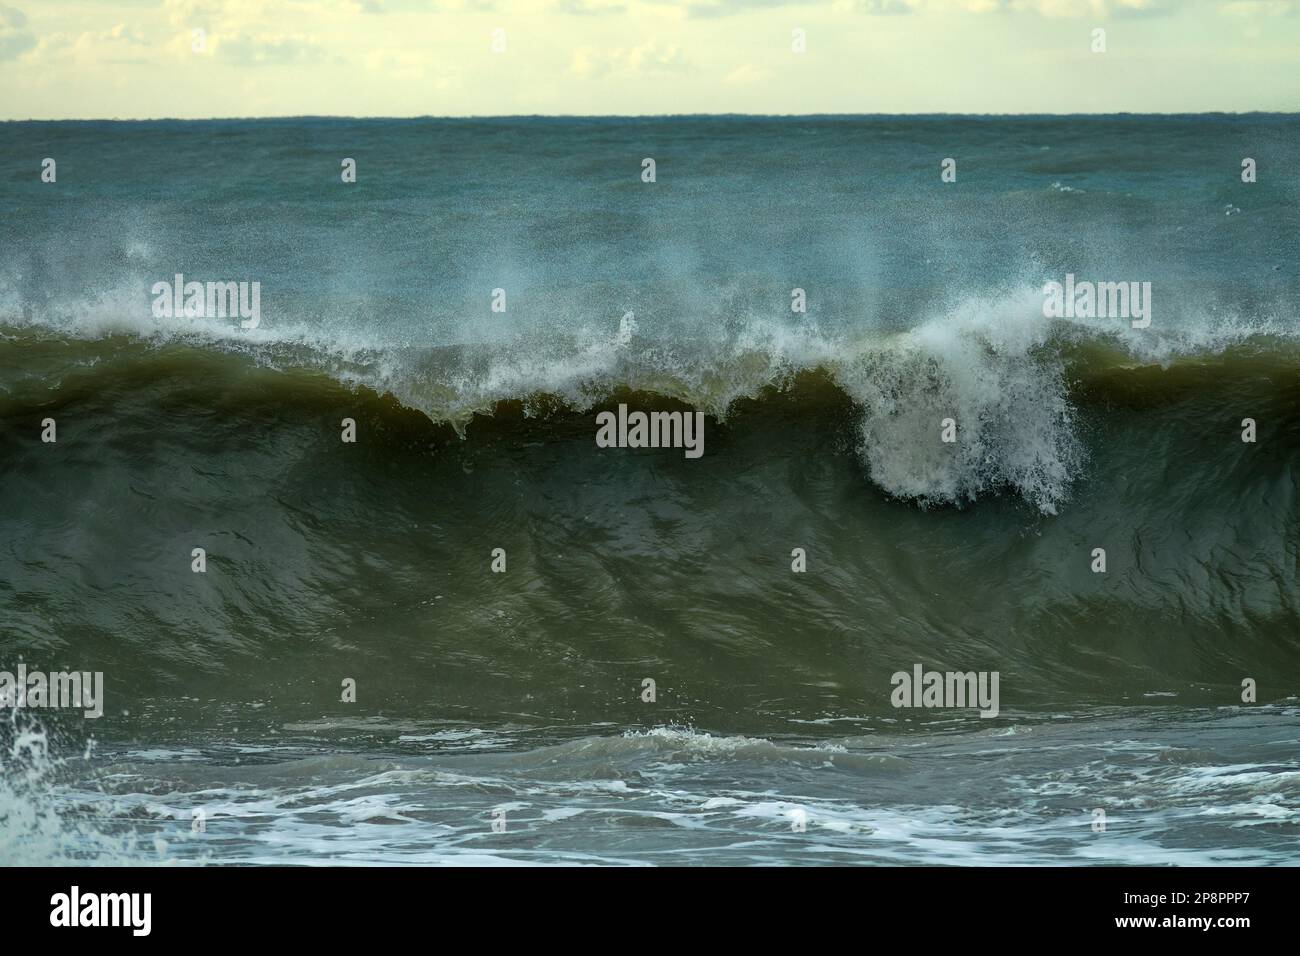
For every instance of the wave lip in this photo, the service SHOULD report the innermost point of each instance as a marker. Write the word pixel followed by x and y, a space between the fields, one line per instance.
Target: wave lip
pixel 979 398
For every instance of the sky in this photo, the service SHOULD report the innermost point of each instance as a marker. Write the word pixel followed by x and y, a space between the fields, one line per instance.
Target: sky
pixel 79 59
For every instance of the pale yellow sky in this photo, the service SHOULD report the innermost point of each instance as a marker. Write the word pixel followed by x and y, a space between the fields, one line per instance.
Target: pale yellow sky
pixel 143 58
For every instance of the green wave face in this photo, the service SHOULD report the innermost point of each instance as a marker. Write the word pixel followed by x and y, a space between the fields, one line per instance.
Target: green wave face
pixel 374 558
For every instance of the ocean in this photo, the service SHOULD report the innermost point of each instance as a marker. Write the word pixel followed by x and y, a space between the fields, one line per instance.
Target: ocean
pixel 431 645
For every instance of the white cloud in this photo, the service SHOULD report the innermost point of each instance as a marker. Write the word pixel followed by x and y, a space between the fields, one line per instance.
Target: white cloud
pixel 89 46
pixel 14 39
pixel 412 66
pixel 1258 8
pixel 267 49
pixel 744 75
pixel 1044 8
pixel 648 57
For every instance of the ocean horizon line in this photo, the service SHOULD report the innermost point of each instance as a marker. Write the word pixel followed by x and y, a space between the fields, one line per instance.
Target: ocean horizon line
pixel 649 116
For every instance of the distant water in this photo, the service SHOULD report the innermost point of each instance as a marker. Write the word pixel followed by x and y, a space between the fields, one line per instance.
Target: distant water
pixel 518 695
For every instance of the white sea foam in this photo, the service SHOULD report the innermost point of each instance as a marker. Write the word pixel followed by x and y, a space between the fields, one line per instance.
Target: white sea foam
pixel 992 364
